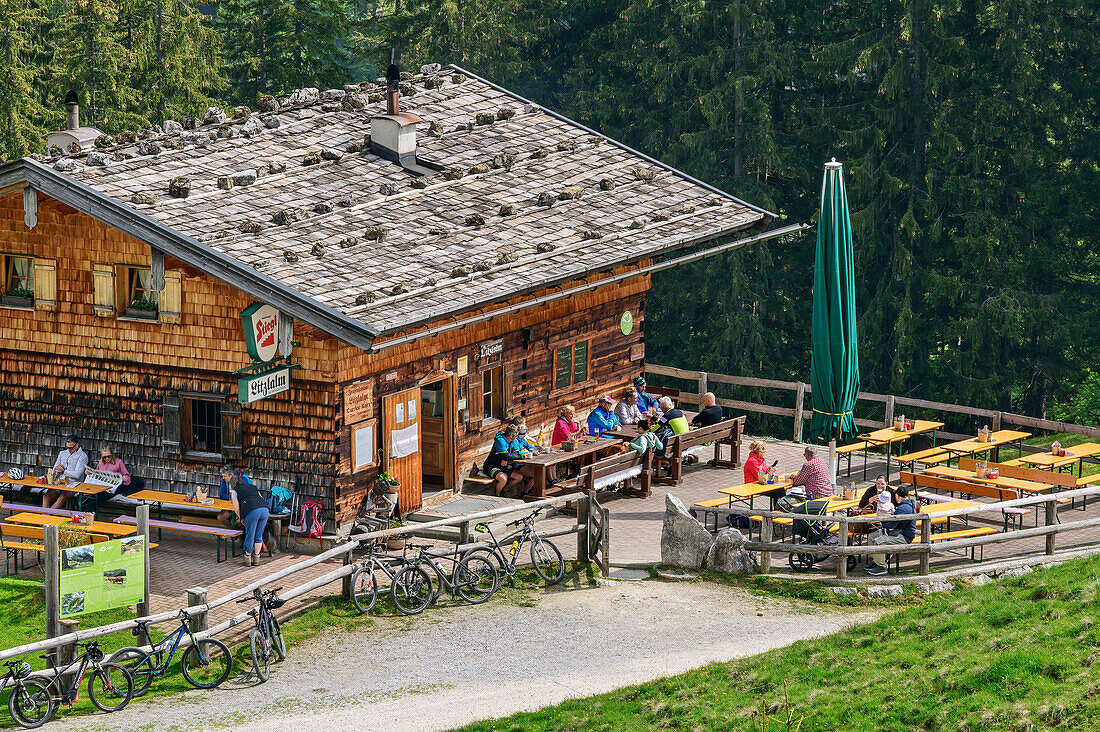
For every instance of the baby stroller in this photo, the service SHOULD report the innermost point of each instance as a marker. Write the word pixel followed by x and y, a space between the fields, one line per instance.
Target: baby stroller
pixel 808 532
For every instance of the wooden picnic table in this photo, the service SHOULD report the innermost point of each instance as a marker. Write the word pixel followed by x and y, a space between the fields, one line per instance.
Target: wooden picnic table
pixel 96 527
pixel 552 457
pixel 178 499
pixel 626 432
pixel 971 446
pixel 1050 461
pixel 888 436
pixel 89 489
pixel 748 491
pixel 1016 484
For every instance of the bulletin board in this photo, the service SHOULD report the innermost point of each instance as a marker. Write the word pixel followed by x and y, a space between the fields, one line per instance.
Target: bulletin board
pixel 363 445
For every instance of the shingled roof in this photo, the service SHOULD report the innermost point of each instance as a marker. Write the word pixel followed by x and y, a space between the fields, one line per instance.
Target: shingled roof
pixel 523 198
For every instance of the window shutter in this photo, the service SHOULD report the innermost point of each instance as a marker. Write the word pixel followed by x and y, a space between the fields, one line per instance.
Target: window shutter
pixel 170 428
pixel 474 408
pixel 170 299
pixel 506 389
pixel 45 284
pixel 232 447
pixel 103 290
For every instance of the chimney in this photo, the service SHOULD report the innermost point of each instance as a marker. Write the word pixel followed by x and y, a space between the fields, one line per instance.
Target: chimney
pixel 393 92
pixel 393 135
pixel 72 111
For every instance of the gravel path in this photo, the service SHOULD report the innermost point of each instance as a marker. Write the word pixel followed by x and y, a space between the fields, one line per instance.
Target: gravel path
pixel 457 665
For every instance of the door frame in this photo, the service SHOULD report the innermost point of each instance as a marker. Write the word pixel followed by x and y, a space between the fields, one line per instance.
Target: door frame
pixel 450 426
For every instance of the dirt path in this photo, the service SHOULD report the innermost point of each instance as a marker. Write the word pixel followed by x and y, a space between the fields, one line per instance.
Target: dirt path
pixel 456 665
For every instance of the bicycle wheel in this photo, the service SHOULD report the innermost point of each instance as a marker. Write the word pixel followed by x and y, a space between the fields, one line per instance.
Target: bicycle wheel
pixel 547 560
pixel 207 663
pixel 476 579
pixel 140 666
pixel 31 704
pixel 111 687
pixel 364 589
pixel 411 590
pixel 260 646
pixel 278 645
pixel 493 559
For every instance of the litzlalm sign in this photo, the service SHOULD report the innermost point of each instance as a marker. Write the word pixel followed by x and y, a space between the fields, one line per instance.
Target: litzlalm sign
pixel 626 323
pixel 261 331
pixel 102 576
pixel 254 388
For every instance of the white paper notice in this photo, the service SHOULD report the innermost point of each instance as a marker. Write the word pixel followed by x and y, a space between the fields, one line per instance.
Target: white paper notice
pixel 364 447
pixel 412 410
pixel 404 442
pixel 399 412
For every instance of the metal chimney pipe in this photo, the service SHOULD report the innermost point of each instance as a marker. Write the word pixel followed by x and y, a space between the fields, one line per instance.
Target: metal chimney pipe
pixel 72 111
pixel 393 94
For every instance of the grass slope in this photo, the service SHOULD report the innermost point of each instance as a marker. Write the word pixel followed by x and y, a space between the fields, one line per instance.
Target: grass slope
pixel 1016 655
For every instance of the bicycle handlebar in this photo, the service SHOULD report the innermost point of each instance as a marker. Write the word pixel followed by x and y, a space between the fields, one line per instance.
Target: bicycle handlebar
pixel 525 519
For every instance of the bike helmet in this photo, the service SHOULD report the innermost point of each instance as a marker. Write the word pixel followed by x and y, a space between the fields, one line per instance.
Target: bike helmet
pixel 15 473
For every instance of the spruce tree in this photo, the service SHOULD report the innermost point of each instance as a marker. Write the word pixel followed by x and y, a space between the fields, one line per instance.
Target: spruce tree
pixel 21 113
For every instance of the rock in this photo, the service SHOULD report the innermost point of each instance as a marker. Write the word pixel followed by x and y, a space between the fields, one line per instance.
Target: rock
pixel 464 127
pixel 172 127
pixel 881 591
pixel 606 184
pixel 728 554
pixel 388 189
pixel 179 187
pixel 458 78
pixel 407 90
pixel 928 588
pixel 354 102
pixel 246 178
pixel 214 116
pixel 267 103
pixel 508 257
pixel 507 209
pixel 479 168
pixel 332 107
pixel 126 137
pixel 400 289
pixel 290 257
pixel 241 112
pixel 333 95
pixel 271 122
pixel 225 132
pixel 594 140
pixel 570 193
pixel 432 82
pixel 430 68
pixel 123 155
pixel 542 152
pixel 65 165
pixel 373 97
pixel 55 151
pixel 330 154
pixel 602 582
pixel 474 220
pixel 845 590
pixel 252 127
pixel 104 141
pixel 250 226
pixel 74 148
pixel 435 129
pixel 276 166
pixel 659 216
pixel 97 159
pixel 453 173
pixel 505 113
pixel 312 158
pixel 322 208
pixel 348 241
pixel 461 271
pixel 644 174
pixel 308 95
pixel 504 160
pixel 545 200
pixel 482 266
pixel 422 183
pixel 545 246
pixel 979 580
pixel 484 118
pixel 364 299
pixel 288 216
pixel 676 576
pixel 687 208
pixel 530 108
pixel 375 233
pixel 685 542
pixel 191 123
pixel 318 250
pixel 198 139
pixel 592 234
pixel 405 76
pixel 567 146
pixel 225 182
pixel 346 202
pixel 1014 572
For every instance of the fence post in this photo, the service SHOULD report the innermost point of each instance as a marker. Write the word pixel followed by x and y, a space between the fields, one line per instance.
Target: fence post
pixel 799 400
pixel 52 584
pixel 195 596
pixel 889 409
pixel 647 472
pixel 925 538
pixel 142 515
pixel 997 421
pixel 67 652
pixel 605 534
pixel 346 587
pixel 464 533
pixel 583 509
pixel 842 541
pixel 1052 518
pixel 702 388
pixel 766 538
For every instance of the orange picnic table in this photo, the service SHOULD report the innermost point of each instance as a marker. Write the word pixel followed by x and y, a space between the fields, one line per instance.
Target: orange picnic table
pixel 972 445
pixel 1050 461
pixel 96 527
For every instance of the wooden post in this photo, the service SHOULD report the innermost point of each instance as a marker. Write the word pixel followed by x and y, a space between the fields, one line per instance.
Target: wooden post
pixel 346 587
pixel 799 400
pixel 766 538
pixel 702 388
pixel 925 538
pixel 889 409
pixel 842 541
pixel 196 596
pixel 142 515
pixel 647 472
pixel 67 652
pixel 583 509
pixel 1052 519
pixel 52 585
pixel 997 421
pixel 605 533
pixel 464 533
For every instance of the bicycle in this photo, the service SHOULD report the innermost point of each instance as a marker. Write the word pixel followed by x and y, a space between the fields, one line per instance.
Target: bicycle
pixel 266 638
pixel 110 687
pixel 364 583
pixel 205 664
pixel 30 703
pixel 544 554
pixel 414 586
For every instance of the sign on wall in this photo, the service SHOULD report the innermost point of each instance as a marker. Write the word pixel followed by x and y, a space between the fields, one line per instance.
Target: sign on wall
pixel 626 323
pixel 254 388
pixel 261 331
pixel 102 576
pixel 357 402
pixel 491 348
pixel 362 446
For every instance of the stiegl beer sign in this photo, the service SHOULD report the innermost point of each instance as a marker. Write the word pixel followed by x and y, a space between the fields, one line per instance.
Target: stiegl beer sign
pixel 261 331
pixel 254 388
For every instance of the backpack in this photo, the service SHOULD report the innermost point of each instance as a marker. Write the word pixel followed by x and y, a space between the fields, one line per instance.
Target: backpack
pixel 279 501
pixel 310 522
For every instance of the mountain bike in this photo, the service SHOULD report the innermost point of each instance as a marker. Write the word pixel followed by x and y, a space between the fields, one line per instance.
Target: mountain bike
pixel 474 579
pixel 205 664
pixel 110 687
pixel 266 638
pixel 364 581
pixel 544 554
pixel 30 702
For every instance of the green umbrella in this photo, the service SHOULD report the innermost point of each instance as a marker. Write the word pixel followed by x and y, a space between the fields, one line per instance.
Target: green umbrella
pixel 834 360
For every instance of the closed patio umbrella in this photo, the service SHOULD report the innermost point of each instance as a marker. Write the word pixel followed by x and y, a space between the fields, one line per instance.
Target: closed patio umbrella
pixel 834 359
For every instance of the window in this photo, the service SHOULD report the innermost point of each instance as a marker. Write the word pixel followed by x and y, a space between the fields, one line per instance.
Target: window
pixel 203 432
pixel 18 280
pixel 492 393
pixel 571 364
pixel 142 297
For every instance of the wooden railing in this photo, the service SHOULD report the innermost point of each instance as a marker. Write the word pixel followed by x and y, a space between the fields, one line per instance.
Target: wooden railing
pixel 924 547
pixel 800 411
pixel 593 542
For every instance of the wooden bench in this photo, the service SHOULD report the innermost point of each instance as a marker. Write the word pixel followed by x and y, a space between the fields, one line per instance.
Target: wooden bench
pixel 30 508
pixel 659 391
pixel 975 551
pixel 726 432
pixel 921 480
pixel 220 533
pixel 846 451
pixel 931 456
pixel 18 538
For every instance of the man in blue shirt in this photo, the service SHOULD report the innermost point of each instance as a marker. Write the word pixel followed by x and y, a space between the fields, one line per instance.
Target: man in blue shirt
pixel 602 418
pixel 895 532
pixel 498 465
pixel 646 402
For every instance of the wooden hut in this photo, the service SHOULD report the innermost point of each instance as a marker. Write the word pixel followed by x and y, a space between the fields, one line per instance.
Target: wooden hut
pixel 346 281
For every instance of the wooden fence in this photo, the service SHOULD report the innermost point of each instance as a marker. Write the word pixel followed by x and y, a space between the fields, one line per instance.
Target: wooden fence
pixel 800 412
pixel 924 546
pixel 593 542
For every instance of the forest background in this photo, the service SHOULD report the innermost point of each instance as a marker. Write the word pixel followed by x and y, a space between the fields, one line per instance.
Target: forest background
pixel 968 131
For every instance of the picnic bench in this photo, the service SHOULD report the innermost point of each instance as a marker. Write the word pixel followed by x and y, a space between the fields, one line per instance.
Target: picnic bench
pixel 845 451
pixel 220 533
pixel 924 480
pixel 726 432
pixel 18 538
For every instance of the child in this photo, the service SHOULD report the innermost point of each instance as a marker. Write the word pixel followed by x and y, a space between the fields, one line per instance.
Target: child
pixel 885 504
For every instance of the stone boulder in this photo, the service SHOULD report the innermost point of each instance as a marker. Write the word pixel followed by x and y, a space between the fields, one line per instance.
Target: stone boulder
pixel 876 592
pixel 728 554
pixel 928 588
pixel 684 541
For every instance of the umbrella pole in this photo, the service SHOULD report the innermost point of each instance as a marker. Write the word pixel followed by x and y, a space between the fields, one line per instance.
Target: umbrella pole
pixel 833 467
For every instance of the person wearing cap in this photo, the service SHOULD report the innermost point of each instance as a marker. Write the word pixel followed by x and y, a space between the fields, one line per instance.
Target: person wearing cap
pixel 646 402
pixel 627 409
pixel 602 418
pixel 71 463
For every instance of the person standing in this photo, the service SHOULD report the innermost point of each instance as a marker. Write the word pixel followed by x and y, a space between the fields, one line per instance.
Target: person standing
pixel 71 463
pixel 235 476
pixel 251 507
pixel 814 476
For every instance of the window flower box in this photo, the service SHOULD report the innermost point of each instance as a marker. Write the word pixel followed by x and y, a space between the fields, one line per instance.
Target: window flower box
pixel 142 309
pixel 17 302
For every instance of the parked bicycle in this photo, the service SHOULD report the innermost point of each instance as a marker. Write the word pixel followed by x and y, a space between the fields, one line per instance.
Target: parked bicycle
pixel 364 580
pixel 36 699
pixel 205 664
pixel 544 554
pixel 474 579
pixel 265 640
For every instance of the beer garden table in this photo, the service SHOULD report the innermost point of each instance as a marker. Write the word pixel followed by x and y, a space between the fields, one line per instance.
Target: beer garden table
pixel 1050 461
pixel 888 436
pixel 556 456
pixel 972 445
pixel 81 489
pixel 96 527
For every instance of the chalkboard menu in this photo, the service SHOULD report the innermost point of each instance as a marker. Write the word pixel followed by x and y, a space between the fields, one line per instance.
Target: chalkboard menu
pixel 563 367
pixel 580 362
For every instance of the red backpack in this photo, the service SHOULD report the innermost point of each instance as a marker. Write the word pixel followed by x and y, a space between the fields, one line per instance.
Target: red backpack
pixel 309 521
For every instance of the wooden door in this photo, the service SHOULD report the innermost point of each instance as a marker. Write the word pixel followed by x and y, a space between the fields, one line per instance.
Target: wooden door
pixel 401 443
pixel 440 434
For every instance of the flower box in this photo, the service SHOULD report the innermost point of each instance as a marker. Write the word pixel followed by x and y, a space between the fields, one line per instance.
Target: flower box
pixel 18 302
pixel 142 314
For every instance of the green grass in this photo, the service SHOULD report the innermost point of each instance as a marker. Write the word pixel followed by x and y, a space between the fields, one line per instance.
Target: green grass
pixel 1014 655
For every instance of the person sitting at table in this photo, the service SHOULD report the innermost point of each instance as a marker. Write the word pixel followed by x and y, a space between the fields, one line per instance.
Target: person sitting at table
pixel 867 500
pixel 231 476
pixel 252 508
pixel 646 439
pixel 602 418
pixel 566 427
pixel 672 416
pixel 646 402
pixel 627 409
pixel 498 465
pixel 711 413
pixel 71 464
pixel 755 466
pixel 894 532
pixel 814 476
pixel 109 463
